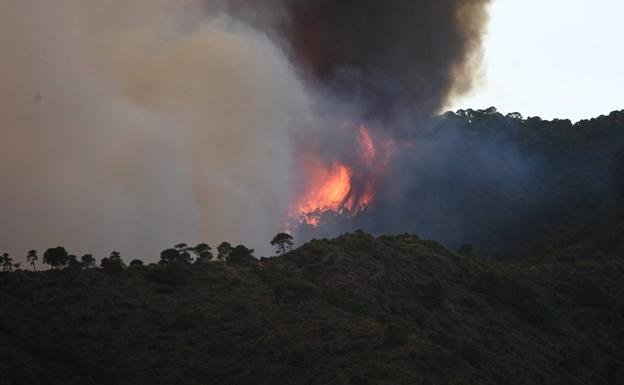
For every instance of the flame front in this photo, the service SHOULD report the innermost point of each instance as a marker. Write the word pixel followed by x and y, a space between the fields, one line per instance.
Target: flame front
pixel 330 188
pixel 335 186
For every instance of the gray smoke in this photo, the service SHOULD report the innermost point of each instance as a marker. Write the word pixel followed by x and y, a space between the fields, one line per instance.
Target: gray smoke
pixel 134 130
pixel 136 124
pixel 388 57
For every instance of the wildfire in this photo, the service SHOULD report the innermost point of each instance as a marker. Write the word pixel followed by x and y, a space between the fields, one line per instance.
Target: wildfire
pixel 329 191
pixel 338 187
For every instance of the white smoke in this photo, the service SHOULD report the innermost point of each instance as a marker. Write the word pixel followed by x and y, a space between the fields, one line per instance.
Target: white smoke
pixel 136 124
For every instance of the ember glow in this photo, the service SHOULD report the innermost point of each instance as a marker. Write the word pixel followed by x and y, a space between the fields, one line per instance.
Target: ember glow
pixel 345 188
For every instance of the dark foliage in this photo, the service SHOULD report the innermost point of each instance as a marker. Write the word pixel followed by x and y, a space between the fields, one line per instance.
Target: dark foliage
pixel 114 263
pixel 510 186
pixel 32 258
pixel 6 262
pixel 354 310
pixel 136 263
pixel 283 242
pixel 223 251
pixel 88 261
pixel 56 257
pixel 203 252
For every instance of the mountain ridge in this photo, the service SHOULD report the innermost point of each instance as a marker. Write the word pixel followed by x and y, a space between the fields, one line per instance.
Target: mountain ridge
pixel 356 309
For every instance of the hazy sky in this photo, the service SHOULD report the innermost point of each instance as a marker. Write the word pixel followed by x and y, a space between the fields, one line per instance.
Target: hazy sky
pixel 553 58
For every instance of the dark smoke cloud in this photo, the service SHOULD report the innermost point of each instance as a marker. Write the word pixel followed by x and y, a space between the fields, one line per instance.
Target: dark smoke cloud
pixel 385 56
pixel 391 54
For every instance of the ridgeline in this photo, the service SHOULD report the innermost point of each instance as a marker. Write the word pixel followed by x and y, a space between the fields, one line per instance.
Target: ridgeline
pixel 354 310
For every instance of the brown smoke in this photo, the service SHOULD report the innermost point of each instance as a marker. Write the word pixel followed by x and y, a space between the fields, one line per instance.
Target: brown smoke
pixel 134 124
pixel 134 130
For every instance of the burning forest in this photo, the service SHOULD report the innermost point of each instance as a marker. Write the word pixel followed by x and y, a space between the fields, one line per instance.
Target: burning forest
pixel 222 119
pixel 273 192
pixel 236 119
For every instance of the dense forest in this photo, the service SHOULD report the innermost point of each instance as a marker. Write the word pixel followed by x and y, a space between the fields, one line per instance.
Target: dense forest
pixel 525 287
pixel 512 186
pixel 354 310
pixel 569 201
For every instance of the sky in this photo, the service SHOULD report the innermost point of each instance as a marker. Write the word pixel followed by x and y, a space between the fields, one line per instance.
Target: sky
pixel 552 58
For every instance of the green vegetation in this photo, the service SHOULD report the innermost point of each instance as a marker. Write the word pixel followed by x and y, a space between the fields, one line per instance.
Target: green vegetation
pixel 360 309
pixel 283 242
pixel 558 192
pixel 513 187
pixel 353 310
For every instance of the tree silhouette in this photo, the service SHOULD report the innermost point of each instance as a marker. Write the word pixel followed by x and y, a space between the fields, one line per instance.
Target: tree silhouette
pixel 56 257
pixel 6 262
pixel 169 256
pixel 175 255
pixel 73 263
pixel 113 263
pixel 240 254
pixel 88 262
pixel 184 253
pixel 136 263
pixel 31 258
pixel 283 242
pixel 223 251
pixel 203 253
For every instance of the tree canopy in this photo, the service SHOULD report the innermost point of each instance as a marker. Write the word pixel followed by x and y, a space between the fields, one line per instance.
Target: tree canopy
pixel 56 257
pixel 283 242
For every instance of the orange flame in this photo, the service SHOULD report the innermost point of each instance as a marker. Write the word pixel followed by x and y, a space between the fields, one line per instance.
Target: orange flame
pixel 331 186
pixel 329 191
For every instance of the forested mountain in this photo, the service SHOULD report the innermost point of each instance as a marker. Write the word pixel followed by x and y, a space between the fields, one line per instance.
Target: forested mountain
pixel 355 310
pixel 572 201
pixel 513 187
pixel 533 296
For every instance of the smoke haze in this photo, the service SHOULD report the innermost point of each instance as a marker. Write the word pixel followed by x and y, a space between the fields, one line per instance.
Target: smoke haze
pixel 135 124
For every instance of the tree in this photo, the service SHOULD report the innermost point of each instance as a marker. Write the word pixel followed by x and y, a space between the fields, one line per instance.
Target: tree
pixel 283 242
pixel 56 257
pixel 136 263
pixel 169 256
pixel 73 263
pixel 241 254
pixel 113 263
pixel 223 251
pixel 203 253
pixel 88 262
pixel 180 253
pixel 6 262
pixel 31 258
pixel 184 253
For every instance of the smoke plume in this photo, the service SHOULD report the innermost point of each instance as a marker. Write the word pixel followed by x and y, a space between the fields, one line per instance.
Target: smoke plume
pixel 135 124
pixel 388 57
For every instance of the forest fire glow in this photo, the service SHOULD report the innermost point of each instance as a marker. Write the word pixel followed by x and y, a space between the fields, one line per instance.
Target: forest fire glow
pixel 329 192
pixel 338 187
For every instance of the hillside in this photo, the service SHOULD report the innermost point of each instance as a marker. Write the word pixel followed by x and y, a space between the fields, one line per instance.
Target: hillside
pixel 511 186
pixel 354 310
